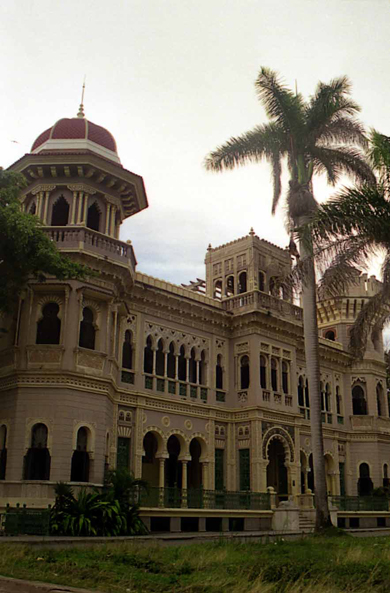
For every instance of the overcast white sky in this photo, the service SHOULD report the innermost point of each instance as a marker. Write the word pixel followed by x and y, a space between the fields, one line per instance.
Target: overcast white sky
pixel 172 79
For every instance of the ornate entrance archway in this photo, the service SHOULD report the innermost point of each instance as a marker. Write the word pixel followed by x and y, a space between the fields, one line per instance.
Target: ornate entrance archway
pixel 278 450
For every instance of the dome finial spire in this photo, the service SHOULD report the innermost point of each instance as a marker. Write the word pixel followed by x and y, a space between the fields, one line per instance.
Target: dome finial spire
pixel 81 113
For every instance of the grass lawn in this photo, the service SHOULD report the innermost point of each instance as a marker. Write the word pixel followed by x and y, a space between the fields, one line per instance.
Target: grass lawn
pixel 316 564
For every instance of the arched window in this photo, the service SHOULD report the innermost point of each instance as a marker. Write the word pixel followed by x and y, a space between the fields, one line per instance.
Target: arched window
pixel 37 460
pixel 148 356
pixel 193 365
pixel 3 451
pixel 330 335
pixel 322 392
pixel 171 361
pixel 327 398
pixel 380 400
pixel 182 363
pixel 49 327
pixel 274 374
pixel 93 218
pixel 242 283
pixel 359 404
pixel 127 351
pixel 202 368
pixel 230 286
pixel 217 294
pixel 338 401
pixel 33 208
pixel 87 330
pixel 80 458
pixel 365 485
pixel 219 373
pixel 244 372
pixel 160 359
pixel 385 475
pixel 307 395
pixel 263 372
pixel 285 376
pixel 60 212
pixel 261 281
pixel 301 400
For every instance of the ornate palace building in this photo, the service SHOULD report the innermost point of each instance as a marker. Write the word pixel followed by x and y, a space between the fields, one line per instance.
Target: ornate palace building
pixel 200 390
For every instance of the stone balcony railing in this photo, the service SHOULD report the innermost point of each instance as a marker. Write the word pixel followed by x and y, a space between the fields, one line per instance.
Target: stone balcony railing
pixel 370 423
pixel 260 300
pixel 75 238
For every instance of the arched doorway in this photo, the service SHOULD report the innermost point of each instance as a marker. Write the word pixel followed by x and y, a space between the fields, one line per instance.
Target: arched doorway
pixel 365 485
pixel 150 465
pixel 194 466
pixel 277 475
pixel 173 473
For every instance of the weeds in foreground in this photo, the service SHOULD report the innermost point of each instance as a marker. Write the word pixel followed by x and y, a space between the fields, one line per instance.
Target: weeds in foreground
pixel 323 565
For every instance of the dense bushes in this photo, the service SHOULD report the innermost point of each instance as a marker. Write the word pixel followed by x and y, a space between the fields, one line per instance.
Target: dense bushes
pixel 106 512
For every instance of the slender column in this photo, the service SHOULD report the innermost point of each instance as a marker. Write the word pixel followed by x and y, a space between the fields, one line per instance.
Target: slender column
pixel 47 196
pixel 113 353
pixel 184 483
pixel 108 214
pixel 176 367
pixel 161 472
pixel 112 226
pixel 154 361
pixel 74 206
pixel 187 370
pixel 205 475
pixel 85 209
pixel 39 204
pixel 305 478
pixel 79 209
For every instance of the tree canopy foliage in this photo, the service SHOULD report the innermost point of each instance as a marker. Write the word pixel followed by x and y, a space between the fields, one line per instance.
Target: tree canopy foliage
pixel 25 250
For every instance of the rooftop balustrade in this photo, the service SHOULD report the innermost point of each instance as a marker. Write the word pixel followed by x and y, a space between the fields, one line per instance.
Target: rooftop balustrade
pixel 84 239
pixel 260 300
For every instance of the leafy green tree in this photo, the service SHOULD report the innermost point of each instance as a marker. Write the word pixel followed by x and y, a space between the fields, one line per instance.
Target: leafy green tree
pixel 25 250
pixel 321 135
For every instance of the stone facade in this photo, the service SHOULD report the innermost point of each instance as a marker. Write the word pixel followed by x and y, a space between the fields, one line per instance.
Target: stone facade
pixel 188 389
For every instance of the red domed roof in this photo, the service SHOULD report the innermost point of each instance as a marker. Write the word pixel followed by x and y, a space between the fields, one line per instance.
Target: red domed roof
pixel 77 128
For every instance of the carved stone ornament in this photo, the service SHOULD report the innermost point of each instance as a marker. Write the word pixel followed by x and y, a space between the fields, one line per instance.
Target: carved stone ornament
pixel 87 359
pixel 242 396
pixel 165 421
pixel 82 187
pixel 40 188
pixel 283 436
pixel 188 424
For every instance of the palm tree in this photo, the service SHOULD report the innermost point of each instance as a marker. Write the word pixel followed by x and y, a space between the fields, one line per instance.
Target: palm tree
pixel 347 231
pixel 317 136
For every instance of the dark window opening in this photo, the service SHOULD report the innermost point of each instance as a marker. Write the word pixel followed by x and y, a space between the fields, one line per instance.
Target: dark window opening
pixel 261 281
pixel 365 485
pixel 338 400
pixel 307 398
pixel 49 327
pixel 244 374
pixel 87 330
pixel 202 368
pixel 230 286
pixel 171 362
pixel 274 374
pixel 150 448
pixel 285 377
pixel 37 460
pixel 359 404
pixel 33 208
pixel 148 356
pixel 93 218
pixel 301 401
pixel 127 351
pixel 330 335
pixel 193 365
pixel 242 284
pixel 60 212
pixel 80 458
pixel 219 373
pixel 263 372
pixel 182 364
pixel 160 359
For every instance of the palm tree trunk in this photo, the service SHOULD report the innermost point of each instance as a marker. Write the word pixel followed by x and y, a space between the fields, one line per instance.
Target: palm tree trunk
pixel 312 354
